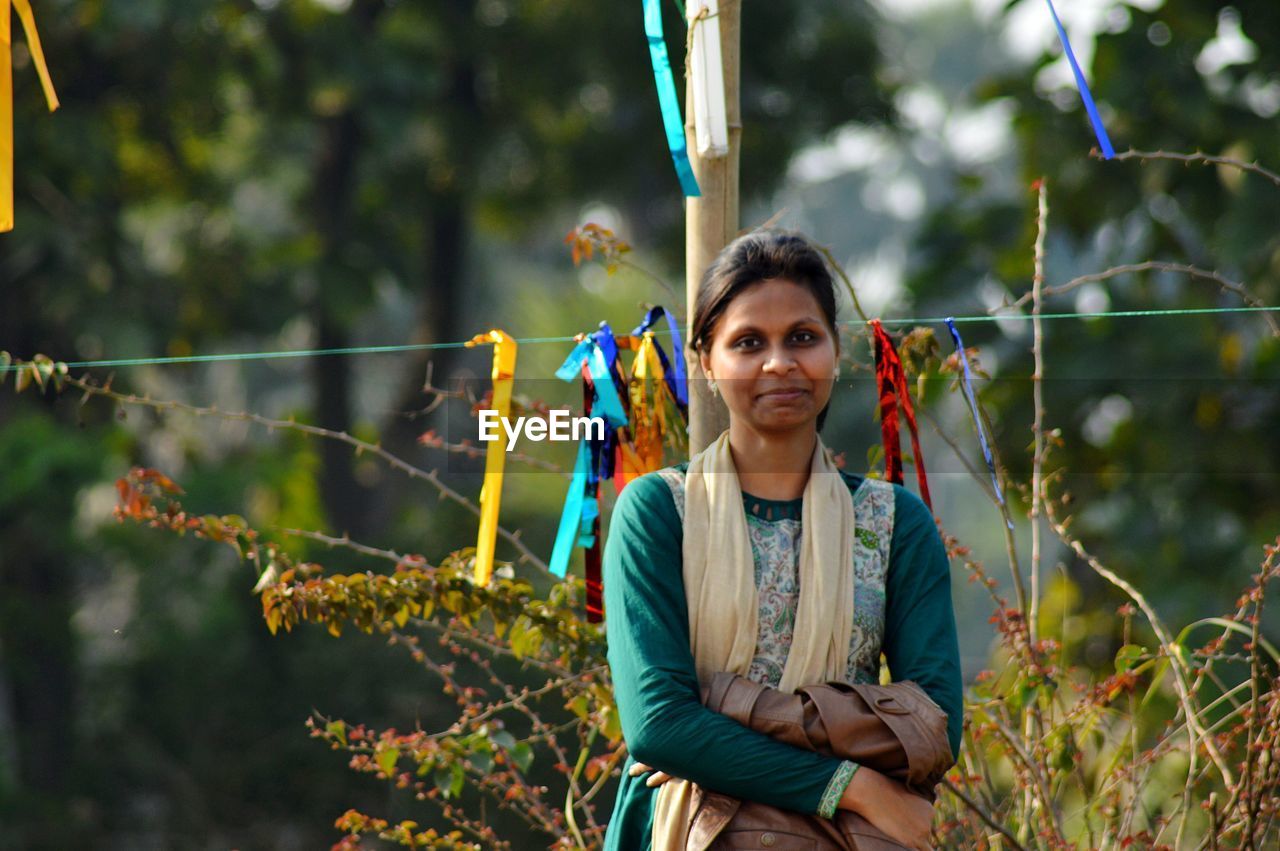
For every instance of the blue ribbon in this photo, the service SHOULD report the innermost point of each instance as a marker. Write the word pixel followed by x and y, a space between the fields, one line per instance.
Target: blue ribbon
pixel 966 383
pixel 673 370
pixel 662 78
pixel 1104 141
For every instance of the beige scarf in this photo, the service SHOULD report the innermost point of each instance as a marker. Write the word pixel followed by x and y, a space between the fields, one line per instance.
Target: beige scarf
pixel 719 583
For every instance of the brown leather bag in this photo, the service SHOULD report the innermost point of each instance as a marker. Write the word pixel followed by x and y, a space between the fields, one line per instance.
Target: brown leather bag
pixel 895 729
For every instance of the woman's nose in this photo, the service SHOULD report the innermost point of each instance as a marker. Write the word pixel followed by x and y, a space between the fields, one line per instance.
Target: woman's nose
pixel 780 362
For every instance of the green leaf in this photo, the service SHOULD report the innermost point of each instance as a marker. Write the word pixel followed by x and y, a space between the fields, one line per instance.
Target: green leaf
pixel 22 379
pixel 443 779
pixel 522 755
pixel 1128 656
pixel 337 729
pixel 457 779
pixel 483 761
pixel 387 759
pixel 503 739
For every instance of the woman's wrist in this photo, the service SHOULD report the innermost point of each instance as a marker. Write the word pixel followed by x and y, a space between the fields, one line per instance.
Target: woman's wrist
pixel 836 787
pixel 860 791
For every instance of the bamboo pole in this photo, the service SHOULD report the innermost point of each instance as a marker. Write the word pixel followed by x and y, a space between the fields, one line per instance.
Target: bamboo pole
pixel 711 221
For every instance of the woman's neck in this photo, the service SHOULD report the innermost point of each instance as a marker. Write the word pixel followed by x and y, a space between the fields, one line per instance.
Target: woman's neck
pixel 772 466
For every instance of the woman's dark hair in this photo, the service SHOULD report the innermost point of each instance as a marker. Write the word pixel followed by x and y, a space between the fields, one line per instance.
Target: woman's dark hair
pixel 760 256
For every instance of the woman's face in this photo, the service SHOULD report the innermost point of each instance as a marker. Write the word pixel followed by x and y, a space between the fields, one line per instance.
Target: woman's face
pixel 773 356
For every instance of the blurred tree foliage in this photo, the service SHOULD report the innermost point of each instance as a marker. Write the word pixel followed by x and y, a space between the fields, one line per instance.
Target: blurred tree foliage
pixel 219 170
pixel 1168 423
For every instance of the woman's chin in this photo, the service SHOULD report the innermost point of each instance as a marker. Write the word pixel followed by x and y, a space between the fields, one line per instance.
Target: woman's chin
pixel 785 418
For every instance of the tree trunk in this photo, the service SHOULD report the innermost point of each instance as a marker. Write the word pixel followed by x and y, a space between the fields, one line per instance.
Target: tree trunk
pixel 343 498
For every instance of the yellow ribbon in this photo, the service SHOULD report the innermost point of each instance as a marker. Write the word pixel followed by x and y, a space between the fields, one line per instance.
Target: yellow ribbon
pixel 23 8
pixel 504 371
pixel 651 419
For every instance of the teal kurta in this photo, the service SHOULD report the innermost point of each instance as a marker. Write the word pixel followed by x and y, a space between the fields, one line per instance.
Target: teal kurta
pixel 663 720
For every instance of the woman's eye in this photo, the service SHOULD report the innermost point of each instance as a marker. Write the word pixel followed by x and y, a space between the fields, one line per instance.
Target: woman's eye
pixel 746 343
pixel 805 336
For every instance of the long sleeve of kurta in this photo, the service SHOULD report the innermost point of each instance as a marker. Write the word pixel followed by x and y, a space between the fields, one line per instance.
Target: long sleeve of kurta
pixel 920 641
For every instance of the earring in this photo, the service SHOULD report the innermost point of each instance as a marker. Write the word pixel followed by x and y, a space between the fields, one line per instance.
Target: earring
pixel 711 385
pixel 837 373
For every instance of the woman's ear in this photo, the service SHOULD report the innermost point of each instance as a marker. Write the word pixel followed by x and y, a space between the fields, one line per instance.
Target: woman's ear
pixel 704 360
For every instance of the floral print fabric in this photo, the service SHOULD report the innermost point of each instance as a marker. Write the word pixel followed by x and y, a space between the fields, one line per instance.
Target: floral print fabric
pixel 774 527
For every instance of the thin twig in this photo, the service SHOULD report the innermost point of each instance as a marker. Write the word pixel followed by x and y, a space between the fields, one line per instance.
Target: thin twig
pixel 1197 157
pixel 982 814
pixel 1218 278
pixel 345 542
pixel 1194 727
pixel 1037 389
pixel 360 446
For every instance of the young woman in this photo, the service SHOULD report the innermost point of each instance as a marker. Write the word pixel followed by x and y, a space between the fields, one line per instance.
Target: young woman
pixel 759 557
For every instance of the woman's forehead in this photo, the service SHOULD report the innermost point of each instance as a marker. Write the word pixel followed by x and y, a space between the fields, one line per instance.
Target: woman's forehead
pixel 776 302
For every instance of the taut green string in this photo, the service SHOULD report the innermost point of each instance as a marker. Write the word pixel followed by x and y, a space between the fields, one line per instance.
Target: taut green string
pixel 419 347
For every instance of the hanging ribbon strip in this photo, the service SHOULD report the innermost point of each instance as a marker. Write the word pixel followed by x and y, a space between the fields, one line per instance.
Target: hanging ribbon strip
pixel 504 370
pixel 580 519
pixel 639 415
pixel 662 78
pixel 673 368
pixel 892 382
pixel 601 400
pixel 23 8
pixel 1104 141
pixel 706 72
pixel 966 384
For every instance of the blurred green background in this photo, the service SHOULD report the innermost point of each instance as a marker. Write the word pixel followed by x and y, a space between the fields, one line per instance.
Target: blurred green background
pixel 281 174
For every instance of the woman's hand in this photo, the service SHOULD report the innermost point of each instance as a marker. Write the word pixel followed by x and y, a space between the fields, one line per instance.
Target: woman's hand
pixel 906 817
pixel 658 778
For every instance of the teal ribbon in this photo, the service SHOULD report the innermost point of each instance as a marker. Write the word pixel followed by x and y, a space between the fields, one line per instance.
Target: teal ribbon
pixel 607 402
pixel 571 518
pixel 577 519
pixel 662 78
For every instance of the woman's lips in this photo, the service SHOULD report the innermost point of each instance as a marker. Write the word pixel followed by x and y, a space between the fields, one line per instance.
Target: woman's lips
pixel 786 395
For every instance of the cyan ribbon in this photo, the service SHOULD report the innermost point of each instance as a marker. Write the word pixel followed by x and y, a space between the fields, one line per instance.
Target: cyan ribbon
pixel 581 508
pixel 609 348
pixel 662 78
pixel 572 366
pixel 966 383
pixel 672 368
pixel 571 517
pixel 1104 141
pixel 607 402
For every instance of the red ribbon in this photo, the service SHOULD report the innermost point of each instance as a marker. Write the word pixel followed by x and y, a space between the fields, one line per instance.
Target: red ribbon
pixel 891 380
pixel 595 582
